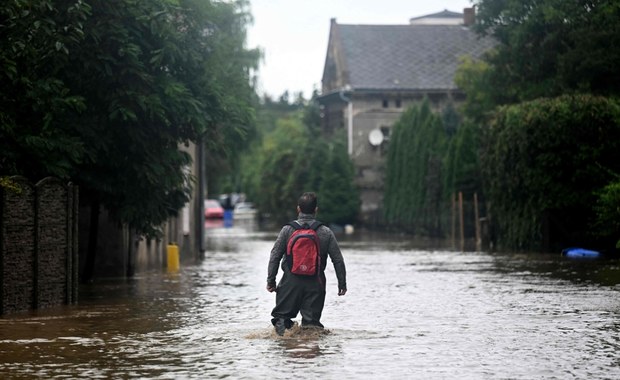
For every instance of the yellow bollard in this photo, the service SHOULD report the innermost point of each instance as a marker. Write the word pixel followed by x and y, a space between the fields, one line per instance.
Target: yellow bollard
pixel 173 263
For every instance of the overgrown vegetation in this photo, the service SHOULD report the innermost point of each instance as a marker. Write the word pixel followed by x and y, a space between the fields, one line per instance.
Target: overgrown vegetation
pixel 544 162
pixel 557 151
pixel 538 139
pixel 432 156
pixel 103 93
pixel 413 192
pixel 608 211
pixel 551 47
pixel 293 156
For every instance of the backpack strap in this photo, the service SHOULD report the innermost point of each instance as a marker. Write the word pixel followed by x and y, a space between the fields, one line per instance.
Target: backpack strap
pixel 316 224
pixel 295 224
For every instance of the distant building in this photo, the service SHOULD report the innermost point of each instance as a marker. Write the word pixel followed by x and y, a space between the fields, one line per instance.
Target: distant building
pixel 445 17
pixel 373 73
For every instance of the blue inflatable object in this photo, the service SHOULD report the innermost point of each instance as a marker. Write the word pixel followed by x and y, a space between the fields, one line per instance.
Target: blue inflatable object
pixel 580 253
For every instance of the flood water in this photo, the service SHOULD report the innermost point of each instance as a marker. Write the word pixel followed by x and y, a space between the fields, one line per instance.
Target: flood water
pixel 410 313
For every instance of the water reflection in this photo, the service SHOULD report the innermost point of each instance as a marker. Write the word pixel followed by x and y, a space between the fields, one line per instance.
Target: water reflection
pixel 411 312
pixel 214 223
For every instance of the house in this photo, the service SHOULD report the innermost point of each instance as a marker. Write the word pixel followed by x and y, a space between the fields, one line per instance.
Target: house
pixel 373 73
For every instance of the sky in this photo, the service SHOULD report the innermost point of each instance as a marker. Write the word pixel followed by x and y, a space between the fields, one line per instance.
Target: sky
pixel 293 34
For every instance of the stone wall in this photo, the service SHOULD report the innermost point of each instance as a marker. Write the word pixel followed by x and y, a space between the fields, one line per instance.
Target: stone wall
pixel 38 241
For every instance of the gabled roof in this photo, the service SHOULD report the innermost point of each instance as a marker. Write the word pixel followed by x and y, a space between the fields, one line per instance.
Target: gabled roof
pixel 404 57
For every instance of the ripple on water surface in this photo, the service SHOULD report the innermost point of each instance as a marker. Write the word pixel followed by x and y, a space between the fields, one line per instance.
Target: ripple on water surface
pixel 409 313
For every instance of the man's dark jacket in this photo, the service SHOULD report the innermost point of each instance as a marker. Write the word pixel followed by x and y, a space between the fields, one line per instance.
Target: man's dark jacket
pixel 329 247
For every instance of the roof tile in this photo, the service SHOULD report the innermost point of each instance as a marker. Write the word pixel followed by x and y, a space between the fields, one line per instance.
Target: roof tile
pixel 421 57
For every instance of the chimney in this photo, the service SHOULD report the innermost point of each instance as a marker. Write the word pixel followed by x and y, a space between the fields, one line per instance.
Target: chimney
pixel 469 16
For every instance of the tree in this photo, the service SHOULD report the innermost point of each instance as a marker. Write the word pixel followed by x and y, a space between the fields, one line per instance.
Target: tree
pixel 462 164
pixel 283 169
pixel 338 198
pixel 131 70
pixel 414 177
pixel 551 47
pixel 295 157
pixel 115 87
pixel 37 39
pixel 229 88
pixel 607 209
pixel 104 93
pixel 474 77
pixel 544 161
pixel 539 194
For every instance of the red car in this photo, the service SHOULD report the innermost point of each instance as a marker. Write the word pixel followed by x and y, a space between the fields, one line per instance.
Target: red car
pixel 213 209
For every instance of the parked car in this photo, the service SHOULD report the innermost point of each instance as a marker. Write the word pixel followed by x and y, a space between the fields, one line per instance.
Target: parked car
pixel 244 210
pixel 213 209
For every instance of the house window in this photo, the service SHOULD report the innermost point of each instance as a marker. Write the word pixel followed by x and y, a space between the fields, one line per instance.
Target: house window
pixel 398 103
pixel 385 103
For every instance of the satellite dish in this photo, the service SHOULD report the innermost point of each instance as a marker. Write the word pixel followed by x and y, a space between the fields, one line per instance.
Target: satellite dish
pixel 375 137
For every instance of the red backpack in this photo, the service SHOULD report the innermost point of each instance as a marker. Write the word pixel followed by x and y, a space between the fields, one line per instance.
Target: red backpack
pixel 303 249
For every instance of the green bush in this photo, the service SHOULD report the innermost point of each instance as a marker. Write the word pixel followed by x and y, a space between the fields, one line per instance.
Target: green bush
pixel 294 158
pixel 542 163
pixel 608 212
pixel 413 186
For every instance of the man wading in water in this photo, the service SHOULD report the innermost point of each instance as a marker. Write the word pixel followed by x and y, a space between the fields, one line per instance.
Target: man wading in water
pixel 303 292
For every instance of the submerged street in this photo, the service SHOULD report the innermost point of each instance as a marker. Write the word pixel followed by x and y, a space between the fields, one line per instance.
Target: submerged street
pixel 410 312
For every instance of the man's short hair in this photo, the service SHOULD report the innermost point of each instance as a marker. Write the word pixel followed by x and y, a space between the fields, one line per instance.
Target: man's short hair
pixel 307 203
